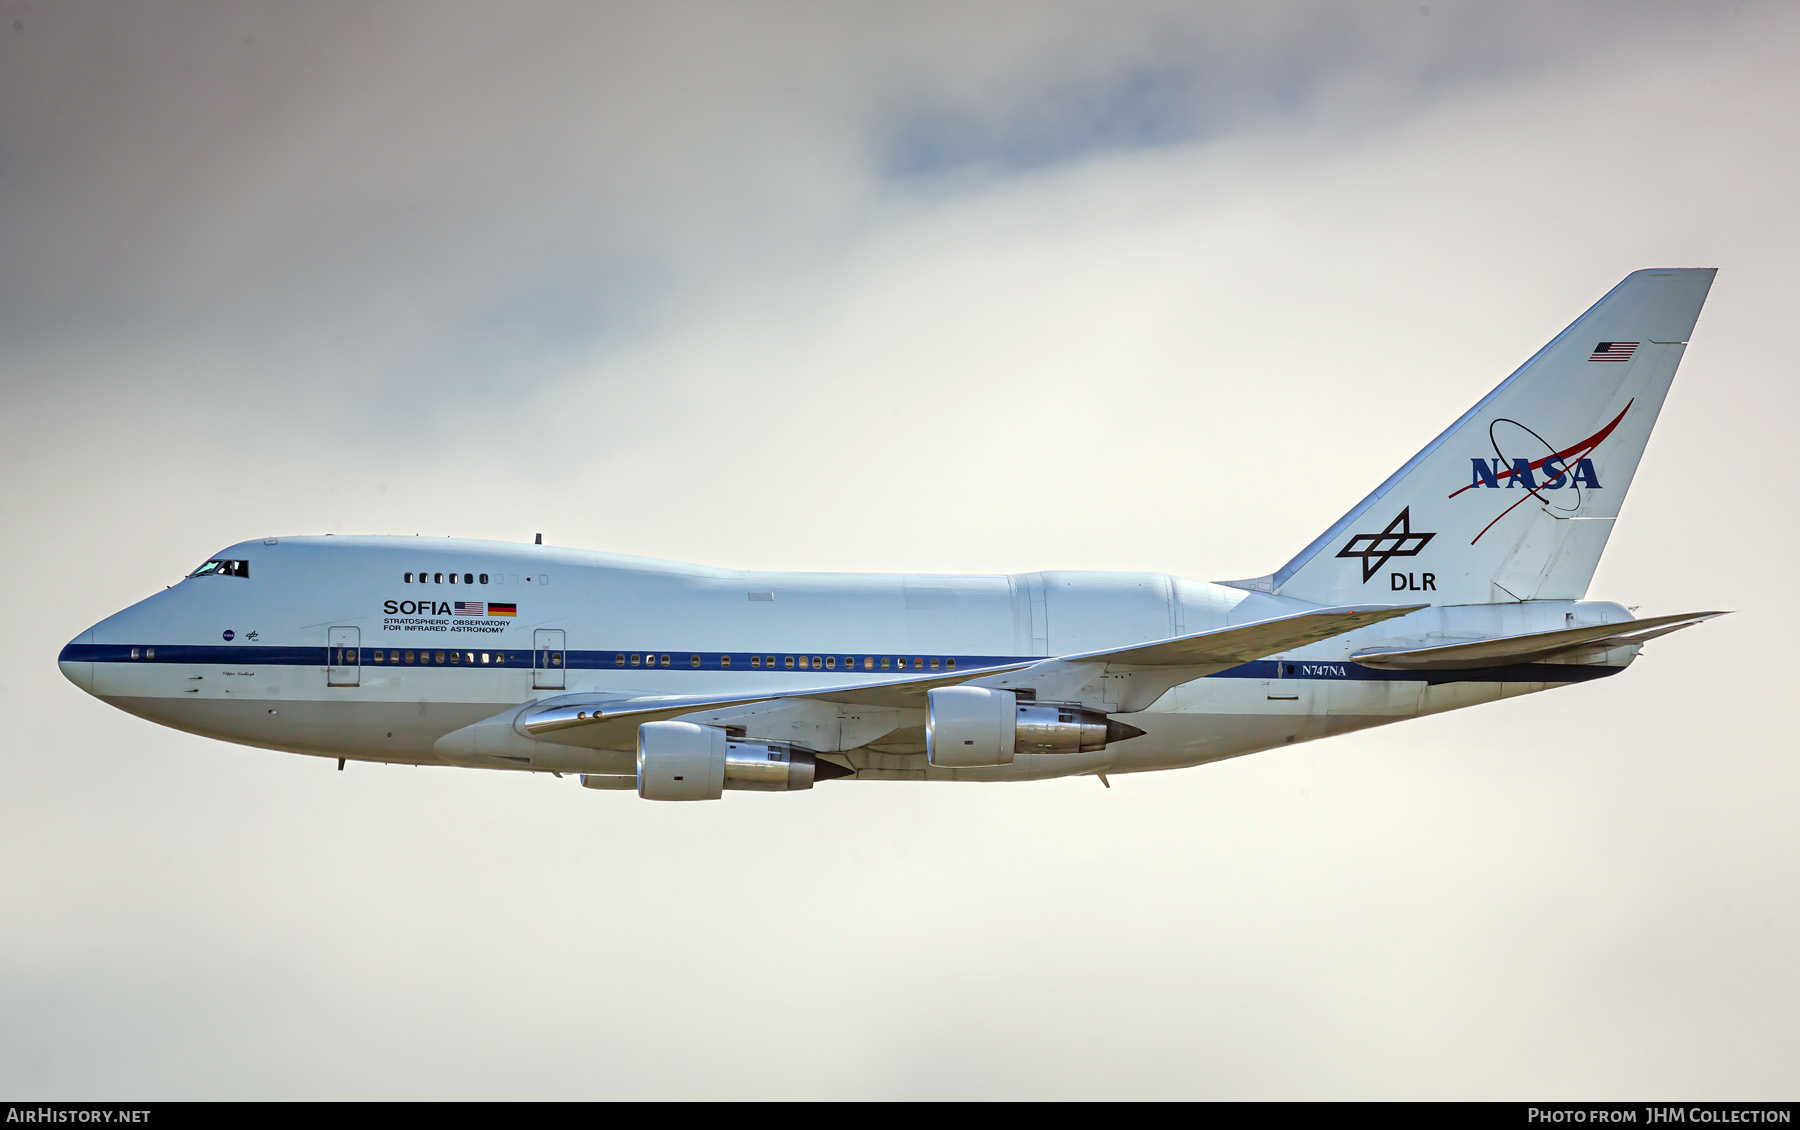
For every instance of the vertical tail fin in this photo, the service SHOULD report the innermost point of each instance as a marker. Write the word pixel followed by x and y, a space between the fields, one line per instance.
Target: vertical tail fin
pixel 1516 499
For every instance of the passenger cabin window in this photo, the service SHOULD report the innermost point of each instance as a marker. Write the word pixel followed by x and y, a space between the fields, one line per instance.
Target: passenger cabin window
pixel 219 568
pixel 484 578
pixel 409 578
pixel 468 578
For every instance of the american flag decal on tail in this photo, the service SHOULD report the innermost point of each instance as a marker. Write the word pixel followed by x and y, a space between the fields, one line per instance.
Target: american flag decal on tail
pixel 471 608
pixel 1613 351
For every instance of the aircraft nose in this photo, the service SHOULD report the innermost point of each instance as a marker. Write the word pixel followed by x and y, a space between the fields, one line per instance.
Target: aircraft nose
pixel 74 661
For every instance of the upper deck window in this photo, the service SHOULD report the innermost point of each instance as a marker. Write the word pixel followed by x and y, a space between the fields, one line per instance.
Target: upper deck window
pixel 220 568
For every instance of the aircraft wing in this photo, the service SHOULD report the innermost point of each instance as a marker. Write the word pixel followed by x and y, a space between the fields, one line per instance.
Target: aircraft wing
pixel 1222 648
pixel 1533 647
pixel 1126 679
pixel 611 722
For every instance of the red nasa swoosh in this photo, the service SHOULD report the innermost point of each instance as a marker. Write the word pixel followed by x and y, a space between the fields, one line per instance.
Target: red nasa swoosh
pixel 1578 450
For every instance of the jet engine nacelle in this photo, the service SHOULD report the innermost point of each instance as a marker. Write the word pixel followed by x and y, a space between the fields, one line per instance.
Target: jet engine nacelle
pixel 682 761
pixel 966 727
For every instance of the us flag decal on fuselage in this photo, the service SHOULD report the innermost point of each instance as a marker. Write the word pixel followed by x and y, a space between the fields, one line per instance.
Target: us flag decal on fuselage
pixel 1613 351
pixel 470 608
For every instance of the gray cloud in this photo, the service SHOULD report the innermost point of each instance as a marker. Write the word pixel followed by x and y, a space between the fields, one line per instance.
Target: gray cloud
pixel 273 179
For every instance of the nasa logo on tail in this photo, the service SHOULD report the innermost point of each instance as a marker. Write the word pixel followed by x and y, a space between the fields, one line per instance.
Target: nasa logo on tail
pixel 1568 468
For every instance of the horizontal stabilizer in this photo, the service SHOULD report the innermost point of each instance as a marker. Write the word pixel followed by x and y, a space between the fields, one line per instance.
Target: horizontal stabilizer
pixel 1533 647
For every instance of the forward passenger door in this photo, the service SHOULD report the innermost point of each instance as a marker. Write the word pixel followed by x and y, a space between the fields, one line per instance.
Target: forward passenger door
pixel 344 657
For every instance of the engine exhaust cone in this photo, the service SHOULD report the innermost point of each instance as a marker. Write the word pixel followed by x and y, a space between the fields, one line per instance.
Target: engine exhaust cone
pixel 1117 731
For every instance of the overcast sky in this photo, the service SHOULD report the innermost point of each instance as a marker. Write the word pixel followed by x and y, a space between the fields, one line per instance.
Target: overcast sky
pixel 961 288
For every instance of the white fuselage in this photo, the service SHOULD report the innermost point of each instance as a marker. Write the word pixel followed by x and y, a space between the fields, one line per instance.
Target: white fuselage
pixel 326 647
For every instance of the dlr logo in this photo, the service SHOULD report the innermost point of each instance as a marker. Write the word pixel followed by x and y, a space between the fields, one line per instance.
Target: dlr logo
pixel 1408 582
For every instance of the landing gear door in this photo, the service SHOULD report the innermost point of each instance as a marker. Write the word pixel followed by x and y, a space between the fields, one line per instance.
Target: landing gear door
pixel 549 670
pixel 344 658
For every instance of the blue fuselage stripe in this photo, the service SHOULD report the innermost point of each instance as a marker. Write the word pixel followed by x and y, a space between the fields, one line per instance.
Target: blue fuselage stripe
pixel 608 660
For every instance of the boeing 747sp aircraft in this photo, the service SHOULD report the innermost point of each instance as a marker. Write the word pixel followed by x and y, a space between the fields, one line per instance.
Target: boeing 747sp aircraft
pixel 1461 579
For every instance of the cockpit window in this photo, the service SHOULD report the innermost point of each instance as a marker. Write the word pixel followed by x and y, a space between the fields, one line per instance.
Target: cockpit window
pixel 219 568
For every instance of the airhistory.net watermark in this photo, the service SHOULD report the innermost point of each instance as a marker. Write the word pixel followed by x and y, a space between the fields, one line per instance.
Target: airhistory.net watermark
pixel 49 1115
